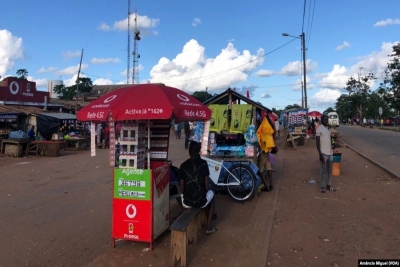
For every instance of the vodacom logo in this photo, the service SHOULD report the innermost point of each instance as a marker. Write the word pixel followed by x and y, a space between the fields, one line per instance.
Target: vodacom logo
pixel 110 98
pixel 14 87
pixel 130 211
pixel 183 97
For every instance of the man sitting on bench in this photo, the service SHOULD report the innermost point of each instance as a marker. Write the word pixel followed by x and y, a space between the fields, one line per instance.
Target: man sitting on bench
pixel 194 184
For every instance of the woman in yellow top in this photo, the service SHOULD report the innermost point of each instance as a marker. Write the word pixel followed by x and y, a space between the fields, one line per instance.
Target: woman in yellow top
pixel 266 140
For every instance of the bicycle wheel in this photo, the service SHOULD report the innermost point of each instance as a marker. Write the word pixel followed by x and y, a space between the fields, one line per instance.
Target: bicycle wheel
pixel 246 178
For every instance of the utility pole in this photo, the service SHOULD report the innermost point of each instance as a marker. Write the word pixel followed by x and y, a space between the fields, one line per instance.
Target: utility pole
pixel 77 85
pixel 302 97
pixel 303 44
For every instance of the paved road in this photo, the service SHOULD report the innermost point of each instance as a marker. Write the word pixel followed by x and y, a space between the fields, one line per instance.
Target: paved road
pixel 381 146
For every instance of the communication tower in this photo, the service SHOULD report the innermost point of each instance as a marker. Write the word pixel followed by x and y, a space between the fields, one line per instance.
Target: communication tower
pixel 136 55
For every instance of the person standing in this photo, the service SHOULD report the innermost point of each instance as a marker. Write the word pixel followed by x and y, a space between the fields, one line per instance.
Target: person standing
pixel 186 127
pixel 195 187
pixel 31 134
pixel 266 143
pixel 277 125
pixel 324 147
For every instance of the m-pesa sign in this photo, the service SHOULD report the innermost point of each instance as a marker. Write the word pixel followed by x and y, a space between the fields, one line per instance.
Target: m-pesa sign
pixel 13 89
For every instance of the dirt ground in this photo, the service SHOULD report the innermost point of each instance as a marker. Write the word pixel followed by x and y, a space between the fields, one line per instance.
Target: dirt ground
pixel 57 212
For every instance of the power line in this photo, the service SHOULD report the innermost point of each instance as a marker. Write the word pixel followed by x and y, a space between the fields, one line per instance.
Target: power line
pixel 312 20
pixel 304 14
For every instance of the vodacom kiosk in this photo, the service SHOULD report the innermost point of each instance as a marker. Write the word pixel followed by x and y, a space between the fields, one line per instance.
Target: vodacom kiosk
pixel 139 122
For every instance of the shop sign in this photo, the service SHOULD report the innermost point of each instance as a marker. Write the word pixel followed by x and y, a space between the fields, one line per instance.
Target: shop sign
pixel 8 116
pixel 134 185
pixel 131 220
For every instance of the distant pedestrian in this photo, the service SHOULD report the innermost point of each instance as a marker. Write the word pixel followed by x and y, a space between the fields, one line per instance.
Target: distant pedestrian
pixel 277 126
pixel 324 147
pixel 176 129
pixel 179 130
pixel 186 127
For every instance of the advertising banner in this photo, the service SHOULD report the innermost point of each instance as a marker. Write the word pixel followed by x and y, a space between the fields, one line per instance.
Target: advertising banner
pixel 160 199
pixel 247 111
pixel 236 119
pixel 131 210
pixel 214 123
pixel 132 184
pixel 223 122
pixel 111 140
pixel 131 220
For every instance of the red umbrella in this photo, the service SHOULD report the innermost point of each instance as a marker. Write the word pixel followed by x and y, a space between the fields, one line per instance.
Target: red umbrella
pixel 273 116
pixel 314 114
pixel 145 102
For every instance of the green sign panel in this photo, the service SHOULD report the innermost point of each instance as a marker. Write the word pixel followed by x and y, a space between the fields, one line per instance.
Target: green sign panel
pixel 132 184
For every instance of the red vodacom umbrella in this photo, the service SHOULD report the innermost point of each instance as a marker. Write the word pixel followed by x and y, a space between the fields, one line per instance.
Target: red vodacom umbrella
pixel 314 114
pixel 143 102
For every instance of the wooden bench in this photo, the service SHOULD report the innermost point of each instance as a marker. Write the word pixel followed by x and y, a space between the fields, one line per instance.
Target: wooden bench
pixel 291 138
pixel 184 230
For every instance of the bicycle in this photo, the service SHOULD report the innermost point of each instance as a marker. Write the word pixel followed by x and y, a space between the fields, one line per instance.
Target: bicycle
pixel 240 179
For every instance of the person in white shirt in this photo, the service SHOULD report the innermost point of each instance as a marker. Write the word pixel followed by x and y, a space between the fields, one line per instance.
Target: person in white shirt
pixel 277 125
pixel 324 146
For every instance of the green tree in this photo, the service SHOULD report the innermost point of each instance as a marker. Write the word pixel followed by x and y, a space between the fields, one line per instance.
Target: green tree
pixel 292 106
pixel 390 88
pixel 202 96
pixel 344 107
pixel 69 92
pixel 22 74
pixel 330 109
pixel 359 91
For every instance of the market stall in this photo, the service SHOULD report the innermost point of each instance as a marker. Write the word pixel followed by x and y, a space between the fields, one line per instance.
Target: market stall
pixel 232 132
pixel 295 122
pixel 139 153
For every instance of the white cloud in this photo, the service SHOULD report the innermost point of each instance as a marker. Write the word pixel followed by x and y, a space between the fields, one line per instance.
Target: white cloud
pixel 102 81
pixel 326 96
pixel 343 46
pixel 71 54
pixel 264 73
pixel 376 62
pixel 294 68
pixel 196 22
pixel 72 80
pixel 144 23
pixel 96 60
pixel 265 95
pixel 386 22
pixel 104 27
pixel 11 49
pixel 231 40
pixel 191 70
pixel 71 70
pixel 50 69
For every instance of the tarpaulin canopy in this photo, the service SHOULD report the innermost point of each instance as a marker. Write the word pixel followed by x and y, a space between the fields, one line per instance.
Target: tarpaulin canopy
pixel 144 102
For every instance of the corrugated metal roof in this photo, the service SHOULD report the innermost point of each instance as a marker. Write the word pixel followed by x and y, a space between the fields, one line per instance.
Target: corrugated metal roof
pixel 60 116
pixel 223 98
pixel 20 110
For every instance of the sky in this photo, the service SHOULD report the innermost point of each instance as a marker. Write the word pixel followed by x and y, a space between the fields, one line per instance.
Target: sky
pixel 204 45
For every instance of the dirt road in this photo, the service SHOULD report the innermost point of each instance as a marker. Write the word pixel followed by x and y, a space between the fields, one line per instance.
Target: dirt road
pixel 57 212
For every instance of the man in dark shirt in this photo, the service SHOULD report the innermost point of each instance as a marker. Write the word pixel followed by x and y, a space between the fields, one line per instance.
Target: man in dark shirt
pixel 194 184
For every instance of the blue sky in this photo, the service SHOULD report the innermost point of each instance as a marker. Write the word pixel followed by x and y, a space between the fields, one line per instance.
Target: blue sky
pixel 194 45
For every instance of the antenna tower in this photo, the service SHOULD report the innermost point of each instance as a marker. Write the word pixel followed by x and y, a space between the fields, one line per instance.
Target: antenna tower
pixel 129 43
pixel 136 56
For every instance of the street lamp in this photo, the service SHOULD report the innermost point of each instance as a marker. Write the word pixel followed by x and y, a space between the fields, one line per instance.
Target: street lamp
pixel 303 47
